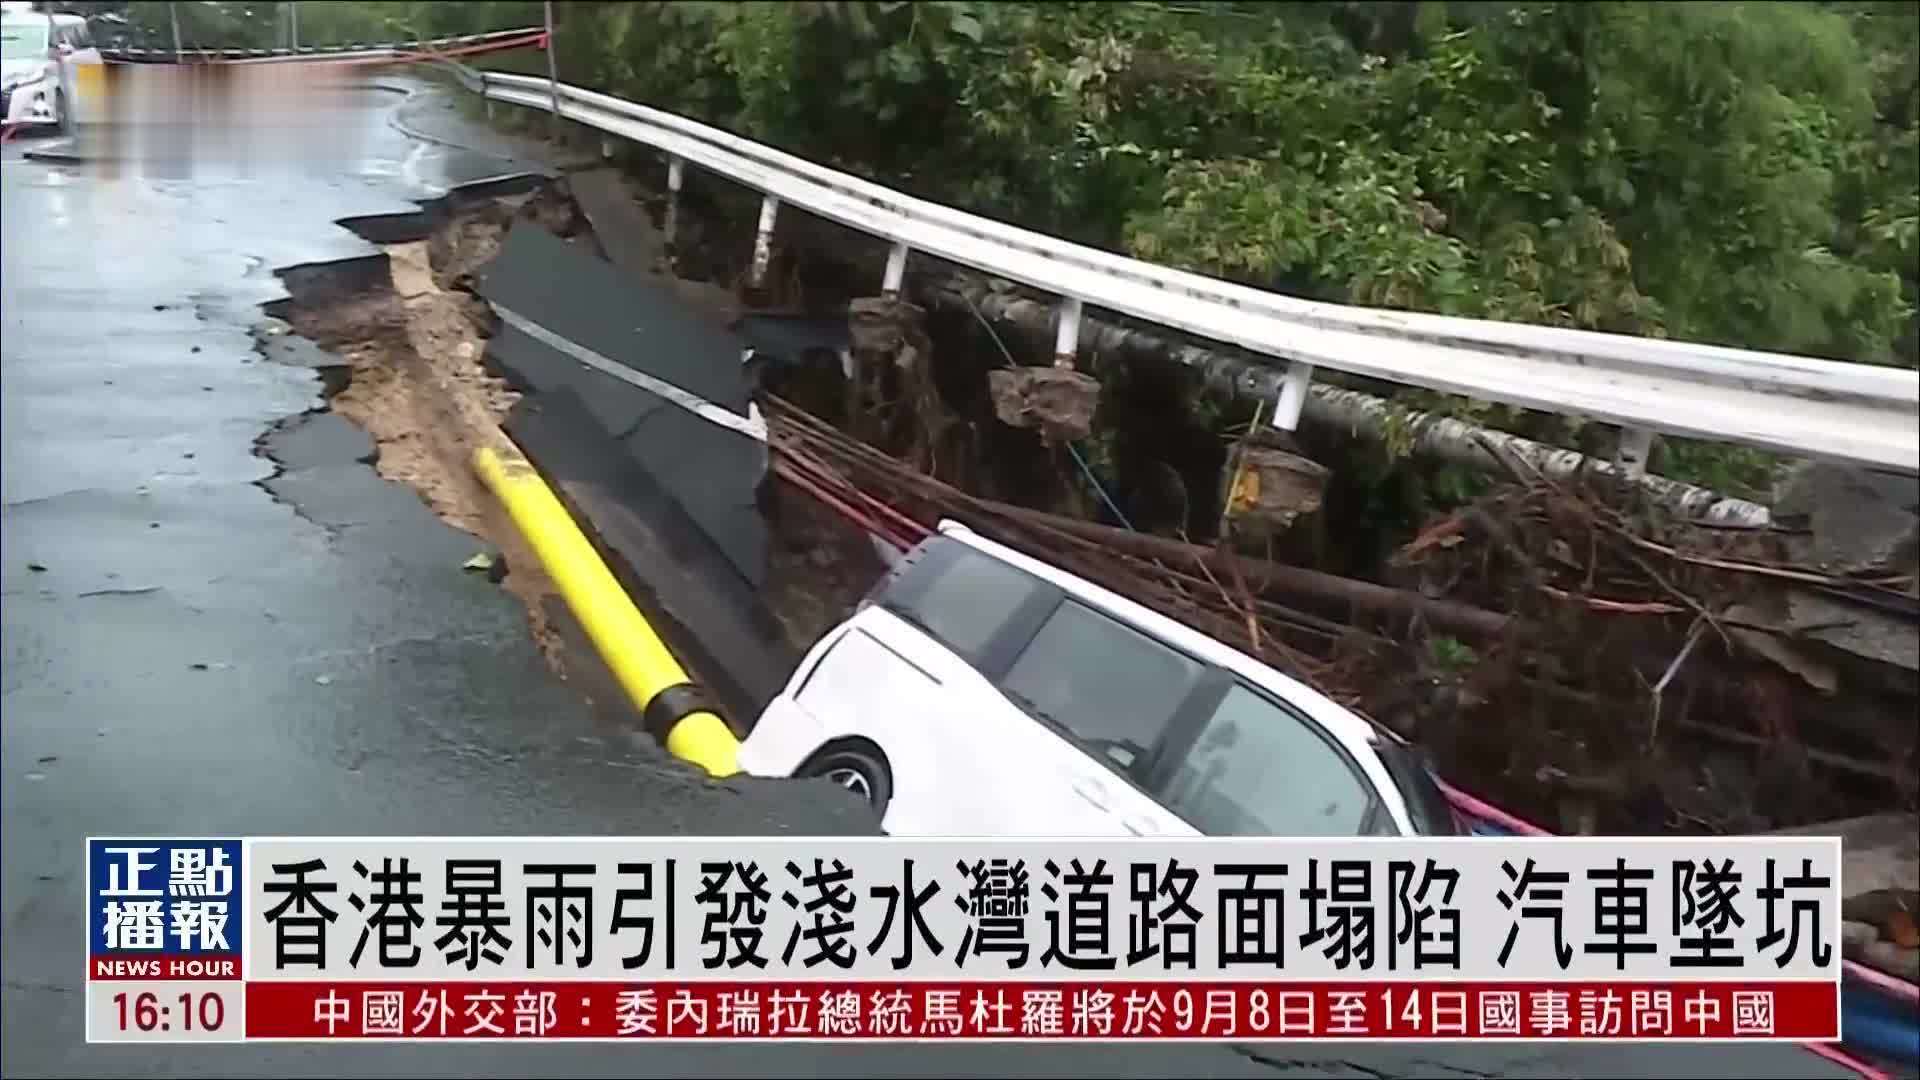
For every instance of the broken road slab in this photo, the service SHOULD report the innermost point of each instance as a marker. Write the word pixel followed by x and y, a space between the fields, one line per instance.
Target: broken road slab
pixel 574 298
pixel 569 291
pixel 712 615
pixel 620 223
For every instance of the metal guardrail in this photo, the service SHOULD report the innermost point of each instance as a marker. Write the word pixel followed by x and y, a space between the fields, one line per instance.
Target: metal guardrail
pixel 1859 413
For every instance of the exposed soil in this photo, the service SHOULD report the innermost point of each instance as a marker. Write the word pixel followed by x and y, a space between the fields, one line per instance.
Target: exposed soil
pixel 414 338
pixel 819 565
pixel 419 389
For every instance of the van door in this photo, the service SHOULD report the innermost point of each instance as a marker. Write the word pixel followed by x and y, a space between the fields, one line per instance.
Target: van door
pixel 980 766
pixel 1103 697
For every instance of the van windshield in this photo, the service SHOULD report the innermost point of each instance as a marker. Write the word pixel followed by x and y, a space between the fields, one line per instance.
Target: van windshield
pixel 23 41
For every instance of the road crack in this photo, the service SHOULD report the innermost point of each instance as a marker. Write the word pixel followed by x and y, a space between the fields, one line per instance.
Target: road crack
pixel 1281 1064
pixel 37 987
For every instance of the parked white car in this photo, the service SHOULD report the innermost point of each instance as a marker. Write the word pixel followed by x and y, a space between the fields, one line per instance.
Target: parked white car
pixel 39 54
pixel 981 692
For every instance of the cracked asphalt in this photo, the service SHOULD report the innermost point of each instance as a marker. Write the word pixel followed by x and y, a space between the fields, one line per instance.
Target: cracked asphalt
pixel 202 640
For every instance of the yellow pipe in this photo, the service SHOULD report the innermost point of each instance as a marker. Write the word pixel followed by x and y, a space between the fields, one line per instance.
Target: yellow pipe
pixel 636 655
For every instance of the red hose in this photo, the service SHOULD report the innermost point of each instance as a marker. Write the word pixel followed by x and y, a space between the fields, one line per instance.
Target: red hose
pixel 538 39
pixel 818 491
pixel 821 474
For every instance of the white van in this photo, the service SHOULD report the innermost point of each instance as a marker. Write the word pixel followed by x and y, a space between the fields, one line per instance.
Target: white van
pixel 981 692
pixel 38 57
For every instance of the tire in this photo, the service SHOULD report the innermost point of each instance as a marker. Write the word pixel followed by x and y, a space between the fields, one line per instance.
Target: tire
pixel 861 770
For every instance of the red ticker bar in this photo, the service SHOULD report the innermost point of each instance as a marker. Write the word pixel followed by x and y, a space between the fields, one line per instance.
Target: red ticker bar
pixel 510 1009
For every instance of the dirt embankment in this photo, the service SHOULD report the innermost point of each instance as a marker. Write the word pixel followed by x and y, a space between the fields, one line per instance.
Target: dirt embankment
pixel 414 342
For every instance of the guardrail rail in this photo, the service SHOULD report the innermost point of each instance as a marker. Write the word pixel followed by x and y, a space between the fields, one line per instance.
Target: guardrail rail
pixel 1858 413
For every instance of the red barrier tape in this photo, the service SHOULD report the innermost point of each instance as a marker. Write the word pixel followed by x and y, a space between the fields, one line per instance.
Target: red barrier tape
pixel 538 40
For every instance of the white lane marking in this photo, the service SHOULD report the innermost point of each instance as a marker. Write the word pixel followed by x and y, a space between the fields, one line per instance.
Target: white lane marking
pixel 751 425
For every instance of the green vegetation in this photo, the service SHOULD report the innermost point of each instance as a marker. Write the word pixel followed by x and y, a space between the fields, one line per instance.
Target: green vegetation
pixel 1739 173
pixel 1743 173
pixel 1735 173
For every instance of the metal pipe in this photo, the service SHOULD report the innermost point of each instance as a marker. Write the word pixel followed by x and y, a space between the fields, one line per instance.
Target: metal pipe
pixel 1293 396
pixel 763 240
pixel 1635 446
pixel 676 176
pixel 896 271
pixel 1066 340
pixel 639 660
pixel 553 76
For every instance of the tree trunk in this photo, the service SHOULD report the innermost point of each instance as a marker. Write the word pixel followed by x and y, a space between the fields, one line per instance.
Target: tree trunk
pixel 1463 619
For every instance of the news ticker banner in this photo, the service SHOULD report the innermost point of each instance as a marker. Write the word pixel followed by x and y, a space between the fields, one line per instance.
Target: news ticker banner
pixel 375 938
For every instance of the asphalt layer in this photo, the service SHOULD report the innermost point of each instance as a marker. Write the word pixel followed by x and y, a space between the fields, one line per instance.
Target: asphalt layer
pixel 637 322
pixel 201 641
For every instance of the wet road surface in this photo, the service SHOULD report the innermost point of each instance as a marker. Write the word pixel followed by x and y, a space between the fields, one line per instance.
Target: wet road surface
pixel 201 641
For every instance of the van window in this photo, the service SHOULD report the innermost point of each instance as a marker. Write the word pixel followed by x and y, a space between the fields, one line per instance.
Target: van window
pixel 1255 769
pixel 959 596
pixel 1108 685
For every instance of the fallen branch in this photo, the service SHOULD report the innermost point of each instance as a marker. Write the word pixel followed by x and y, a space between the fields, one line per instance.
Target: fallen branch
pixel 1616 607
pixel 1327 588
pixel 1365 595
pixel 1892 773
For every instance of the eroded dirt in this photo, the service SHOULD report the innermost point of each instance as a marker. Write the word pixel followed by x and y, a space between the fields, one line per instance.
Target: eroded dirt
pixel 419 388
pixel 818 565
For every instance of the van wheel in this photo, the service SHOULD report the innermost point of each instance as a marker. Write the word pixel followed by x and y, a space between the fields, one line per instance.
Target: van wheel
pixel 860 769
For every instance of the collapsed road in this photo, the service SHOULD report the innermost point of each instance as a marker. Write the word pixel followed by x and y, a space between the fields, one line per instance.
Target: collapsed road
pixel 220 619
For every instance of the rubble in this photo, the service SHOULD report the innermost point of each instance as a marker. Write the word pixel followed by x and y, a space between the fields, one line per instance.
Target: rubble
pixel 1057 402
pixel 1269 486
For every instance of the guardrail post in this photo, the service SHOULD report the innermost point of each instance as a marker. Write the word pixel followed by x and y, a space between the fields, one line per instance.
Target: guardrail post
pixel 606 147
pixel 1293 396
pixel 1636 445
pixel 676 175
pixel 553 77
pixel 763 240
pixel 896 272
pixel 1066 339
